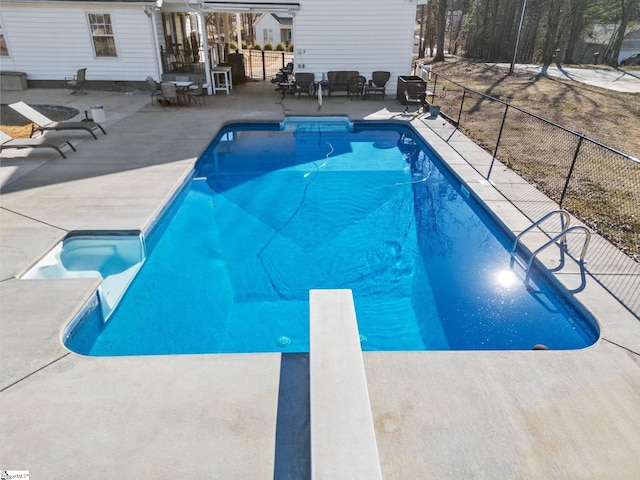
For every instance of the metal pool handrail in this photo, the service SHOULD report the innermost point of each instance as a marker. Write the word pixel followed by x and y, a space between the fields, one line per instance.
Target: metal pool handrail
pixel 565 220
pixel 563 234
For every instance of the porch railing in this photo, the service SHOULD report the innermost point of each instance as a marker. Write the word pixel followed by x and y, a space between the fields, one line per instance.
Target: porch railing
pixel 182 60
pixel 258 64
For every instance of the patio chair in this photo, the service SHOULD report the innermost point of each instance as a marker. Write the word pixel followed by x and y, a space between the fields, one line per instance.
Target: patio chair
pixel 377 84
pixel 169 94
pixel 77 81
pixel 197 93
pixel 355 86
pixel 305 83
pixel 42 122
pixel 9 142
pixel 155 88
pixel 414 94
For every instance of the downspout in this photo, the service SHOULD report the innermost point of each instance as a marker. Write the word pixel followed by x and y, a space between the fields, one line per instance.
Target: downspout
pixel 151 15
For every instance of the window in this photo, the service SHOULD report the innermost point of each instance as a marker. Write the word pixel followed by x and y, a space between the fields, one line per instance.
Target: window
pixel 4 51
pixel 104 42
pixel 267 35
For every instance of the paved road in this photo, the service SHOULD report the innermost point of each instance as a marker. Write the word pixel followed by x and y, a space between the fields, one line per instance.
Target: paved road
pixel 618 80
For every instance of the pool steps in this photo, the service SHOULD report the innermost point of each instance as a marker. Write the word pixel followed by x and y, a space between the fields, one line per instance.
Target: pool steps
pixel 343 440
pixel 314 124
pixel 114 258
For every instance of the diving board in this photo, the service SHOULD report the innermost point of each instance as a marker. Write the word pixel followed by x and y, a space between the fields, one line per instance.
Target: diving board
pixel 343 440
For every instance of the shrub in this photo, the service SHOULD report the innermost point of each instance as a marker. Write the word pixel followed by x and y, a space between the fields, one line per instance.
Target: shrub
pixel 268 46
pixel 281 47
pixel 256 47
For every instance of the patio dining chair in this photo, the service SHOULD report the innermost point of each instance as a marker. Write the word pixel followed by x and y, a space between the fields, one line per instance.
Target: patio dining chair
pixel 156 91
pixel 169 94
pixel 77 81
pixel 414 94
pixel 197 92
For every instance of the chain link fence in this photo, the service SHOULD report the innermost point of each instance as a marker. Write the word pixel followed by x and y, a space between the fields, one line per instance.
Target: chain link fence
pixel 596 183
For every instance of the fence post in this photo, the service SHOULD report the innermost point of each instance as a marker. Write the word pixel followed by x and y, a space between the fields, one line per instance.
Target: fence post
pixel 464 93
pixel 435 84
pixel 495 150
pixel 573 163
pixel 264 69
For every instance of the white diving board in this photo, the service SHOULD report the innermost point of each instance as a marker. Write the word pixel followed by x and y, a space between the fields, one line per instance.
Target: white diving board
pixel 343 439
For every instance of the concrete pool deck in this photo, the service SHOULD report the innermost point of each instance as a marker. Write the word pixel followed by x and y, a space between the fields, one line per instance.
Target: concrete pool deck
pixel 487 414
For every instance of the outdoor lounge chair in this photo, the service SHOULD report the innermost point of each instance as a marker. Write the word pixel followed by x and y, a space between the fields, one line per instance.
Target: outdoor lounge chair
pixel 355 86
pixel 44 123
pixel 305 83
pixel 377 84
pixel 77 81
pixel 9 142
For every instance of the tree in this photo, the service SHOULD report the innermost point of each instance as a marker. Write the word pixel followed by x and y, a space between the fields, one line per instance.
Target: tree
pixel 442 25
pixel 550 40
pixel 576 29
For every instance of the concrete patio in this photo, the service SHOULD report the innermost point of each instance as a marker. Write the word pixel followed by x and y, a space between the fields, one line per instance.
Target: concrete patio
pixel 444 414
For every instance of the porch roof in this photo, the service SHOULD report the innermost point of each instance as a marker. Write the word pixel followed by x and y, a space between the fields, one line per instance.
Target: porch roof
pixel 217 6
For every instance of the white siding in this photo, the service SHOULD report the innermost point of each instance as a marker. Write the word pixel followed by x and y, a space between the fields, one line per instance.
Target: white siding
pixel 360 35
pixel 53 41
pixel 268 22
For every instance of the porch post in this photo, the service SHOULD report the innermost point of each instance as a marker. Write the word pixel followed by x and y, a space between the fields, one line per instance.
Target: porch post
pixel 239 31
pixel 205 46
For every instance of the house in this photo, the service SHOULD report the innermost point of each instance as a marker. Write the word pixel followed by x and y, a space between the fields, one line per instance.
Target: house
pixel 630 45
pixel 121 43
pixel 598 39
pixel 273 28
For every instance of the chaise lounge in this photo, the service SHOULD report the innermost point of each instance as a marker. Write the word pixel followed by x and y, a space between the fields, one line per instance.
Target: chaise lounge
pixel 9 142
pixel 44 123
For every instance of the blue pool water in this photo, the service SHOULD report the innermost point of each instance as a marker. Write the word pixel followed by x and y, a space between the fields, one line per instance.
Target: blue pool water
pixel 272 212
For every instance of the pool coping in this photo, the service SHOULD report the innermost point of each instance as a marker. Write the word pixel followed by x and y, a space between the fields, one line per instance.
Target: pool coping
pixel 497 414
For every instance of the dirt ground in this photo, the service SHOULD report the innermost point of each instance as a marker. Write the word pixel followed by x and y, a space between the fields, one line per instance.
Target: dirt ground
pixel 612 118
pixel 604 190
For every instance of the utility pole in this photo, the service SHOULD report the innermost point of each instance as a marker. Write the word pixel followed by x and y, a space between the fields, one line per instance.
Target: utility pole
pixel 515 50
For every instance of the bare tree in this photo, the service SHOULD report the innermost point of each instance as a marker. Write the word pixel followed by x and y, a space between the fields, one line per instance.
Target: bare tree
pixel 442 25
pixel 553 24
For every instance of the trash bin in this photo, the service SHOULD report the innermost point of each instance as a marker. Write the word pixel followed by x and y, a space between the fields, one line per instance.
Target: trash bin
pixel 97 113
pixel 402 83
pixel 434 110
pixel 236 60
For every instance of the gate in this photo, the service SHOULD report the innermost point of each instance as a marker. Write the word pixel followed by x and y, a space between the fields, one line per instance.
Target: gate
pixel 264 65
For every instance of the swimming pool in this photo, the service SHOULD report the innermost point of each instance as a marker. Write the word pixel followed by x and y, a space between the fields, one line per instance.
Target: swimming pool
pixel 274 210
